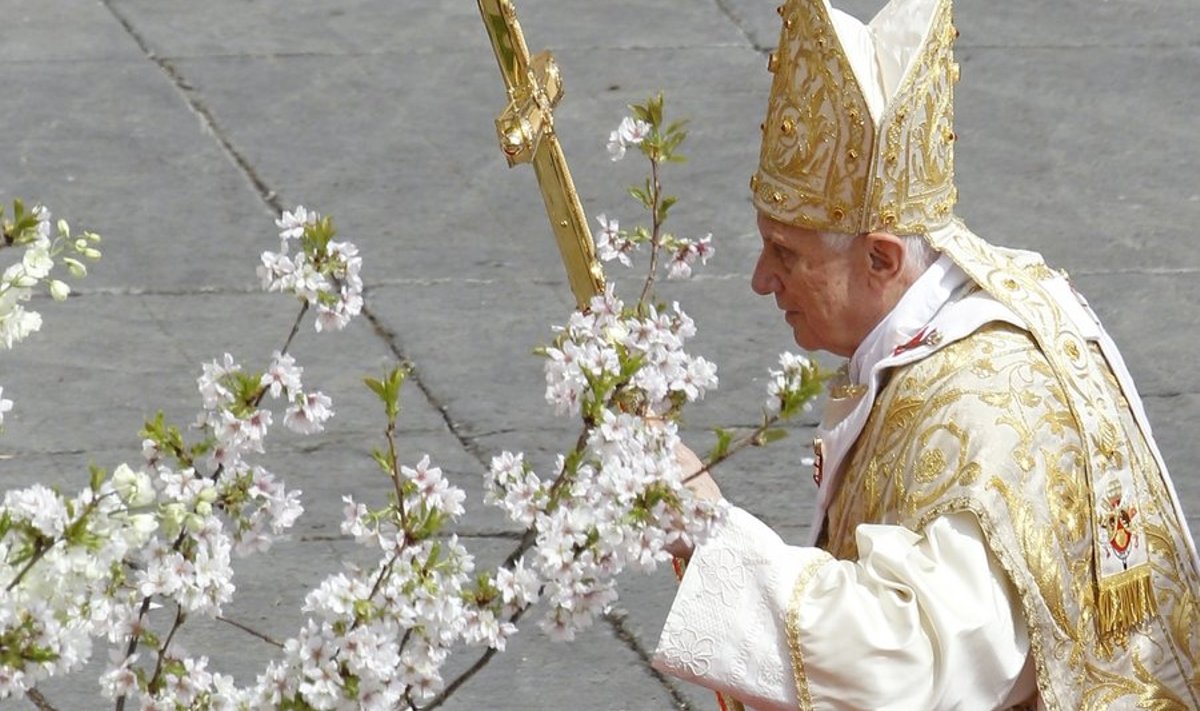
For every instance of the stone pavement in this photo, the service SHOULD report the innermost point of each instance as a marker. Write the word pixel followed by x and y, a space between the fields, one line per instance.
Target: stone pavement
pixel 178 129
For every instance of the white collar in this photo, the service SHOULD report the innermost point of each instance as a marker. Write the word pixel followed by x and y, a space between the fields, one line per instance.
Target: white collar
pixel 913 312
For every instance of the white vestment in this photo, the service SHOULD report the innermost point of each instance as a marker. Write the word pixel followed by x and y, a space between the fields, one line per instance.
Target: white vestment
pixel 918 622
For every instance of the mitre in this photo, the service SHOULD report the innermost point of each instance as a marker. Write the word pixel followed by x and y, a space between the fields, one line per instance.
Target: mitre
pixel 859 135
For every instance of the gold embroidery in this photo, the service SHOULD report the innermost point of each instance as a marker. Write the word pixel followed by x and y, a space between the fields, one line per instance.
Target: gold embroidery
pixel 793 631
pixel 825 165
pixel 913 462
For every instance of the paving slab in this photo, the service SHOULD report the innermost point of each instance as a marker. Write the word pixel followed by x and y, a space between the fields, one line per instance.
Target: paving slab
pixel 55 31
pixel 112 146
pixel 1055 156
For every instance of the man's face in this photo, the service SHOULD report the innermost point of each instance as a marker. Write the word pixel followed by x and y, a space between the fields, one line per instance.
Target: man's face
pixel 813 285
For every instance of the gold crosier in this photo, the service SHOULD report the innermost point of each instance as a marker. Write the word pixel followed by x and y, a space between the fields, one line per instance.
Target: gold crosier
pixel 526 131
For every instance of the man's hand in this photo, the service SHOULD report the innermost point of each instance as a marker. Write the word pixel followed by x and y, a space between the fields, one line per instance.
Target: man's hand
pixel 701 483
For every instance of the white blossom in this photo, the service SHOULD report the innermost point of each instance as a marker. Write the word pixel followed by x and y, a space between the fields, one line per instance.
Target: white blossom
pixel 6 406
pixel 291 224
pixel 631 132
pixel 308 413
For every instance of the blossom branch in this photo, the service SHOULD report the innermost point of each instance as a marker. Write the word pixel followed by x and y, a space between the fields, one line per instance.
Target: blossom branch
pixel 180 616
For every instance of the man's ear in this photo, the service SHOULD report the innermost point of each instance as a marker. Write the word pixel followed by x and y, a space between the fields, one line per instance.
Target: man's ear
pixel 886 254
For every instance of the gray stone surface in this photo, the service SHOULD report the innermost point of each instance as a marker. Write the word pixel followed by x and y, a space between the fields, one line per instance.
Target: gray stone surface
pixel 177 129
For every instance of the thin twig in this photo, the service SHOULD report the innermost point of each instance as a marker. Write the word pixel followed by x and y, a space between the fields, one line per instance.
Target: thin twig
pixel 751 439
pixel 133 644
pixel 39 701
pixel 287 343
pixel 295 328
pixel 41 552
pixel 471 671
pixel 145 606
pixel 394 465
pixel 525 544
pixel 655 194
pixel 37 556
pixel 180 616
pixel 251 631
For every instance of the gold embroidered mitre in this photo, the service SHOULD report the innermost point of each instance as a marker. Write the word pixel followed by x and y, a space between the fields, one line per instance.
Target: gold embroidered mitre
pixel 859 133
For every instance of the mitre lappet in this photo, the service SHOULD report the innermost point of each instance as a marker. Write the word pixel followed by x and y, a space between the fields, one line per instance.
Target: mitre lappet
pixel 859 137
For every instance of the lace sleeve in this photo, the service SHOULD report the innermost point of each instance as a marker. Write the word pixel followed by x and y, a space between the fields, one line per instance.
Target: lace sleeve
pixel 919 622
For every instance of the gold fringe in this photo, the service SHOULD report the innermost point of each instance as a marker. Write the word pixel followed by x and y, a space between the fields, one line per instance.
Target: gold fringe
pixel 1124 602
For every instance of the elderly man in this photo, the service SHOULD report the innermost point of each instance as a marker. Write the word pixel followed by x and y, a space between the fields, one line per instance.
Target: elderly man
pixel 995 526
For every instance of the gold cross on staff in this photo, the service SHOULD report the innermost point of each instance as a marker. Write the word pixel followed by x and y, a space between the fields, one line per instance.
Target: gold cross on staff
pixel 526 131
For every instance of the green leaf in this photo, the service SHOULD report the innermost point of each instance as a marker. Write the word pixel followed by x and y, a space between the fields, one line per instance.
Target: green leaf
pixel 639 195
pixel 769 436
pixel 97 477
pixel 721 448
pixel 388 389
pixel 655 108
pixel 376 387
pixel 382 460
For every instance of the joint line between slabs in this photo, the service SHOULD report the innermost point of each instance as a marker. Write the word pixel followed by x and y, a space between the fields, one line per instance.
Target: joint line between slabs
pixel 724 7
pixel 265 193
pixel 389 338
pixel 616 622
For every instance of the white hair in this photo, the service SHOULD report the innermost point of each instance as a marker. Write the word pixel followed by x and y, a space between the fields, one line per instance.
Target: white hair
pixel 919 255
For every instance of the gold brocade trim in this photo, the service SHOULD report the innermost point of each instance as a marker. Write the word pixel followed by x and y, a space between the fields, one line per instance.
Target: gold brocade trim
pixel 803 695
pixel 1124 601
pixel 845 392
pixel 1061 343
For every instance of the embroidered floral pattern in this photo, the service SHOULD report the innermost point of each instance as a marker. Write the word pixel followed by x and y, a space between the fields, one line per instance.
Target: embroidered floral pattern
pixel 725 576
pixel 686 649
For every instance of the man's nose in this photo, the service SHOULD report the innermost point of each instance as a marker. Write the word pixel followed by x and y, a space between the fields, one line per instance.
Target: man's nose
pixel 763 282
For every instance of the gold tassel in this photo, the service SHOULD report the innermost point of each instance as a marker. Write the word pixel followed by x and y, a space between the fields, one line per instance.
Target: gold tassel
pixel 1124 602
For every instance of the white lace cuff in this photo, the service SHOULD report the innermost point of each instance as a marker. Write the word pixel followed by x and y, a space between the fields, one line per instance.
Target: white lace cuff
pixel 726 628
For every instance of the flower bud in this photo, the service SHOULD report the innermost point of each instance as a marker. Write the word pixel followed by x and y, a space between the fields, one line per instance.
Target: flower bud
pixel 64 229
pixel 172 518
pixel 194 523
pixel 134 487
pixel 91 253
pixel 60 290
pixel 140 528
pixel 76 267
pixel 92 237
pixel 207 495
